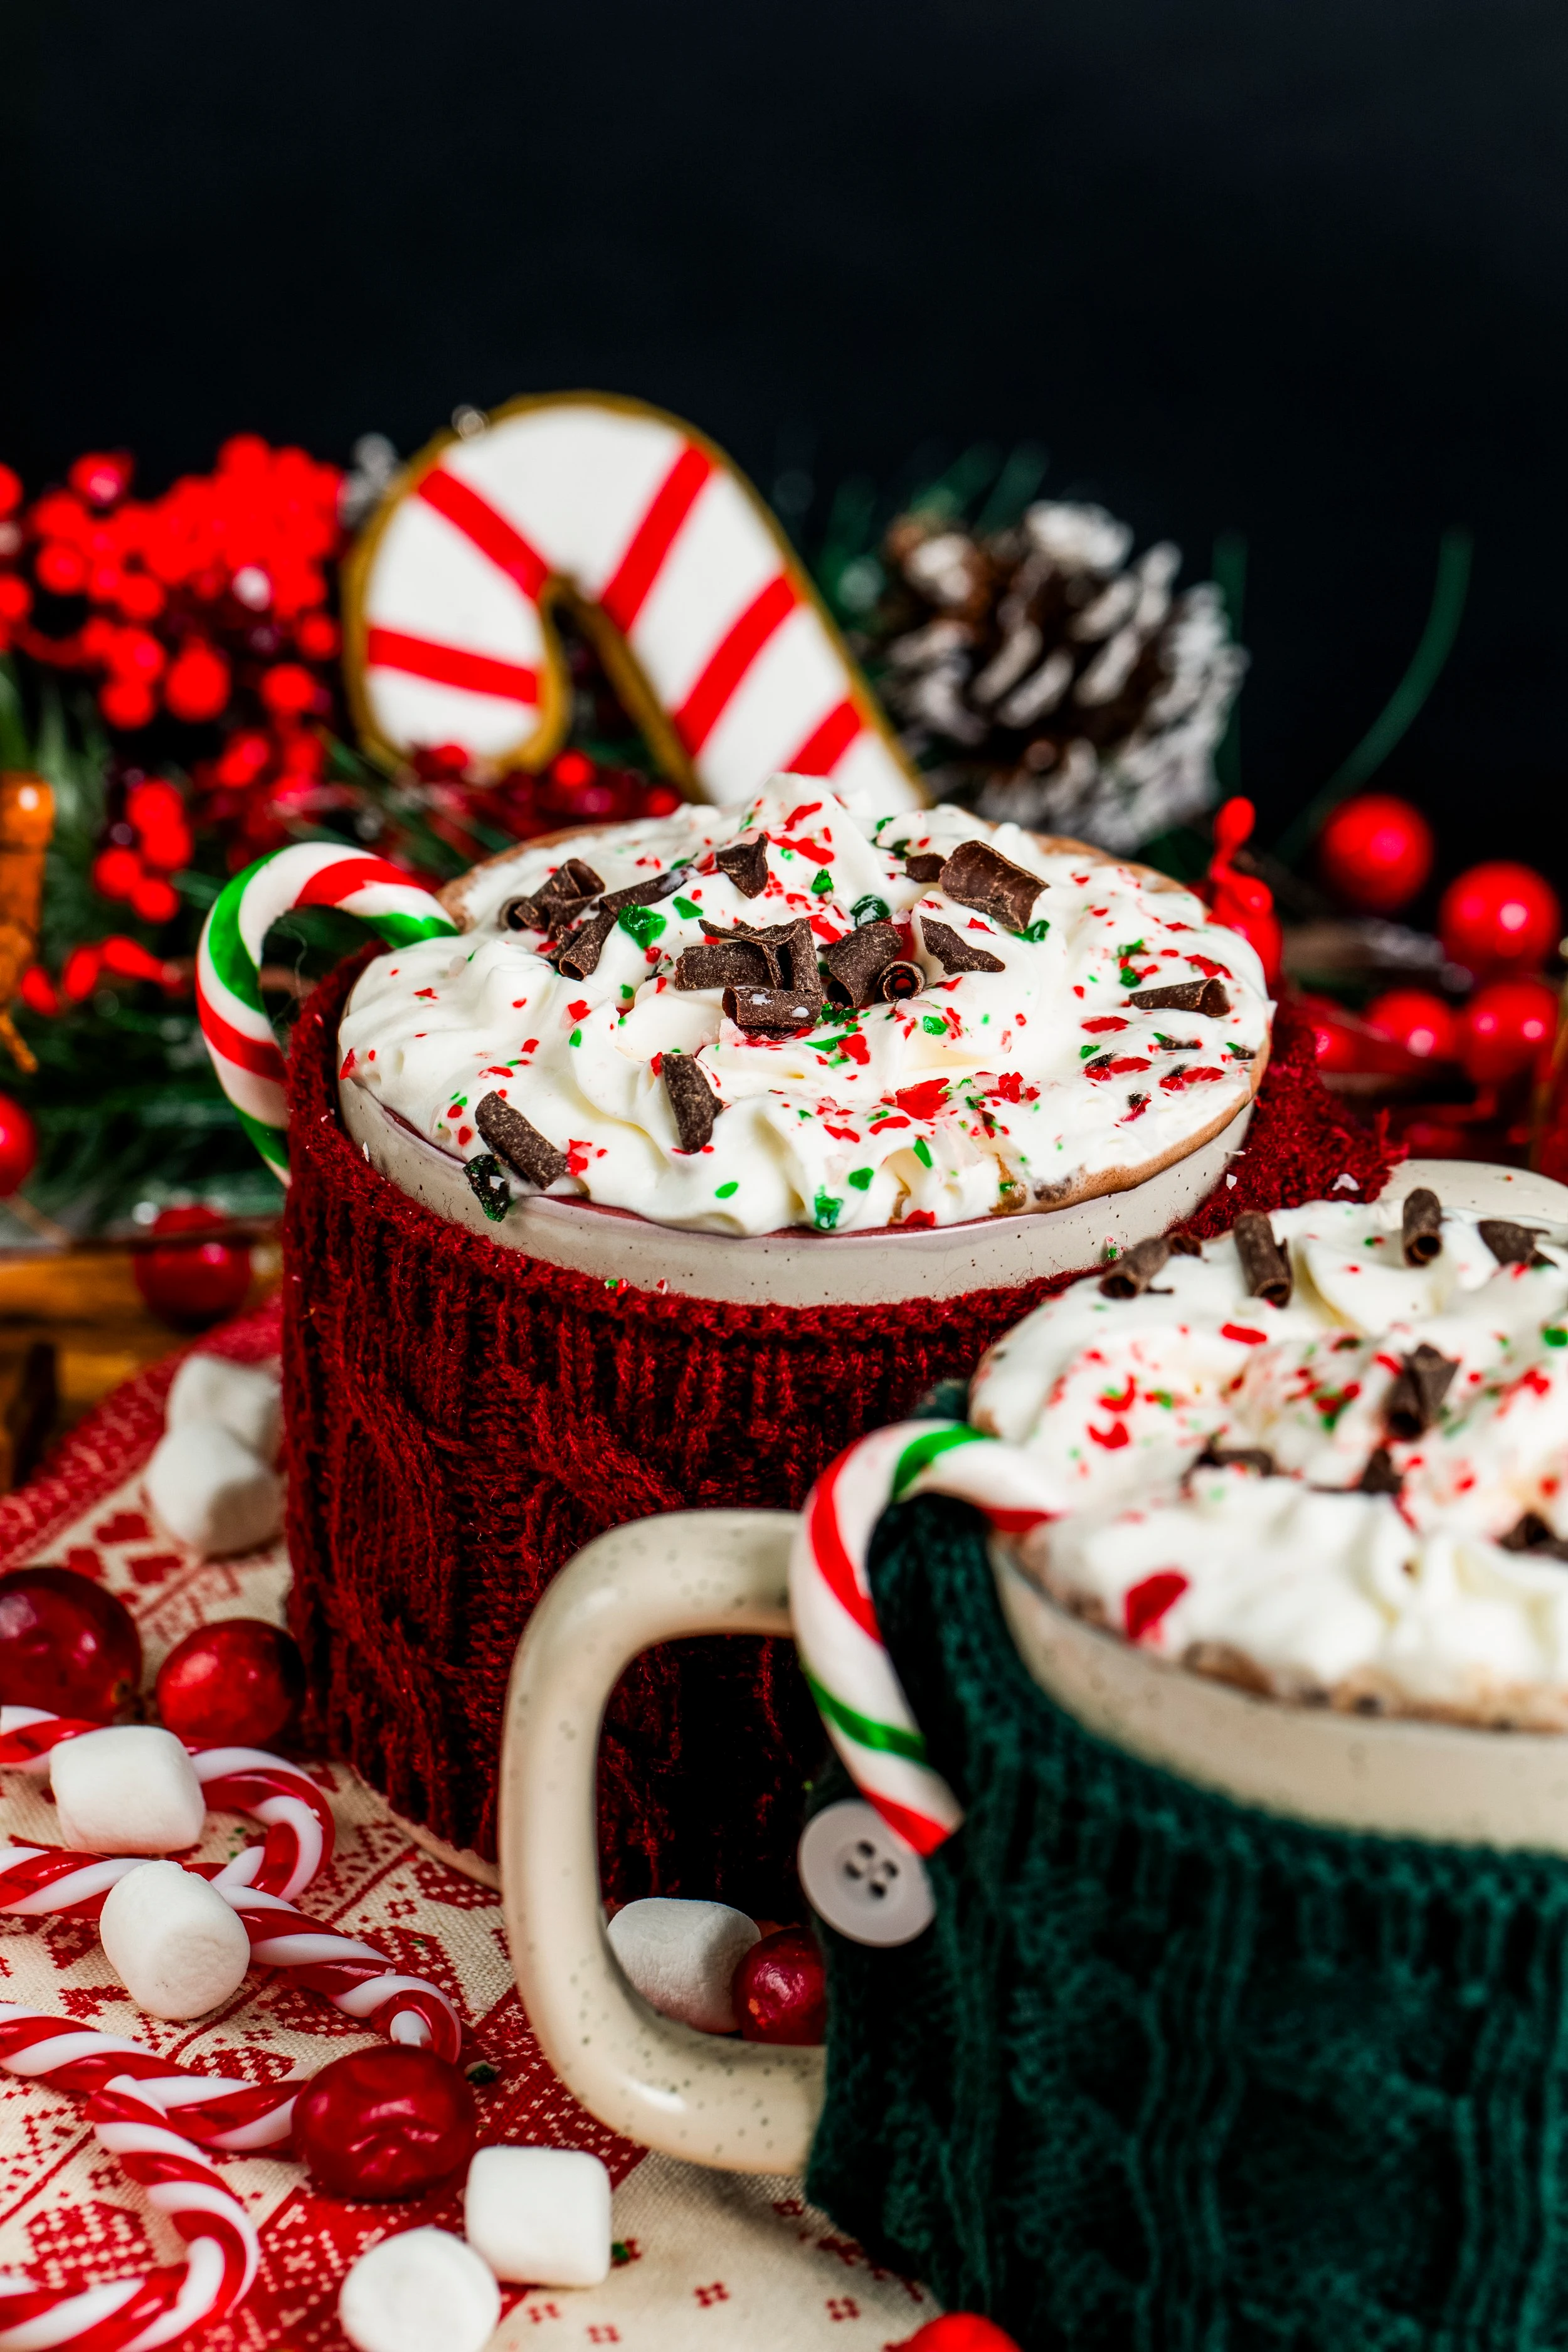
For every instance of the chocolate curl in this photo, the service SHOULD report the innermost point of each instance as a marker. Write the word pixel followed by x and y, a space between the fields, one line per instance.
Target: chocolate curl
pixel 1421 1230
pixel 1188 996
pixel 899 979
pixel 490 1189
pixel 1135 1269
pixel 692 1098
pixel 1415 1396
pixel 924 866
pixel 1380 1477
pixel 1511 1245
pixel 1531 1534
pixel 1184 1245
pixel 558 902
pixel 580 956
pixel 642 894
pixel 856 961
pixel 953 951
pixel 788 948
pixel 722 963
pixel 746 864
pixel 518 1143
pixel 1240 1457
pixel 1265 1267
pixel 759 1010
pixel 980 876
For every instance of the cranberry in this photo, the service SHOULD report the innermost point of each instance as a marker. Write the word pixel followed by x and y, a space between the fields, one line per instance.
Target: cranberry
pixel 780 1990
pixel 384 2124
pixel 65 1643
pixel 238 1681
pixel 187 1281
pixel 959 2331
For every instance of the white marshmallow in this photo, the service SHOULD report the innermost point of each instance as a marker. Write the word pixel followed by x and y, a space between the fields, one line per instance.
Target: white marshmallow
pixel 421 2291
pixel 176 1945
pixel 211 1492
pixel 540 2216
pixel 682 1957
pixel 128 1788
pixel 245 1399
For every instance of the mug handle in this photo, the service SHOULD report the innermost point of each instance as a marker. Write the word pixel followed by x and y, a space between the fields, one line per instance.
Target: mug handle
pixel 744 2106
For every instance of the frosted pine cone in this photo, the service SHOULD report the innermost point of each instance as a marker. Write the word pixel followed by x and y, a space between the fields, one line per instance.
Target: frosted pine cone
pixel 1039 676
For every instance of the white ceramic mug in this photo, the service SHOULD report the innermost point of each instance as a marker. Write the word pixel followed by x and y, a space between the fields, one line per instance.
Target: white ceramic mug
pixel 749 2107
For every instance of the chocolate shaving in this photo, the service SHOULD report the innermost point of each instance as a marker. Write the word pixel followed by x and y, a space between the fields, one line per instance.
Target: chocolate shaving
pixel 899 979
pixel 1511 1245
pixel 1184 1245
pixel 1421 1228
pixel 856 961
pixel 524 915
pixel 1531 1534
pixel 924 865
pixel 953 951
pixel 1415 1396
pixel 1187 996
pixel 557 902
pixel 581 954
pixel 692 1098
pixel 746 864
pixel 788 948
pixel 980 876
pixel 1265 1266
pixel 572 878
pixel 1240 1457
pixel 491 1187
pixel 1380 1477
pixel 764 1008
pixel 519 1143
pixel 1135 1269
pixel 721 963
pixel 643 894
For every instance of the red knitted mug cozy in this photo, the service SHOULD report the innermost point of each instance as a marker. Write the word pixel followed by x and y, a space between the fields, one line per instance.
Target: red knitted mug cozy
pixel 462 1418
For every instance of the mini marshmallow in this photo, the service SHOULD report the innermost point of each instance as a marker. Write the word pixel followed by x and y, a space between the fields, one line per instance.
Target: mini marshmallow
pixel 682 1957
pixel 540 2216
pixel 128 1789
pixel 213 1493
pixel 421 2291
pixel 176 1945
pixel 244 1399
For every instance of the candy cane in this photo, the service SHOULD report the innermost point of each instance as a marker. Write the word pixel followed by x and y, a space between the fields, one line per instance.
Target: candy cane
pixel 852 1677
pixel 706 621
pixel 215 2109
pixel 228 988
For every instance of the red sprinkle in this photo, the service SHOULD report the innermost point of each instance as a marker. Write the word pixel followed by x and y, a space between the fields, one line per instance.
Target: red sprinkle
pixel 1107 1020
pixel 922 1101
pixel 1239 1331
pixel 918 1217
pixel 1146 1604
pixel 1113 1439
pixel 577 1010
pixel 811 849
pixel 348 1063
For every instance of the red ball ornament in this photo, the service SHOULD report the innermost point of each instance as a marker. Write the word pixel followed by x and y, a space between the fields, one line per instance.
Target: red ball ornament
pixel 67 1645
pixel 1507 1028
pixel 1499 916
pixel 198 683
pixel 1419 1021
pixel 1376 851
pixel 237 1681
pixel 384 2124
pixel 959 2331
pixel 188 1281
pixel 18 1147
pixel 780 1990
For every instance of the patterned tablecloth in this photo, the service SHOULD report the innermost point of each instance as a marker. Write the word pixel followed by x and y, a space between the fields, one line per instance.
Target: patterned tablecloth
pixel 703 2259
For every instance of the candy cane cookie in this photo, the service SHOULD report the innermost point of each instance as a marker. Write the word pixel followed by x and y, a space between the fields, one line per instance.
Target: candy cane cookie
pixel 705 619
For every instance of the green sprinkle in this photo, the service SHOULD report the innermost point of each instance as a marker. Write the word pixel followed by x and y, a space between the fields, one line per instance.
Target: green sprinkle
pixel 620 2252
pixel 861 1177
pixel 1128 977
pixel 824 882
pixel 686 907
pixel 626 988
pixel 922 1151
pixel 1132 948
pixel 1553 1335
pixel 1085 1051
pixel 723 1191
pixel 826 1210
pixel 1036 931
pixel 576 1038
pixel 645 924
pixel 871 909
pixel 933 1025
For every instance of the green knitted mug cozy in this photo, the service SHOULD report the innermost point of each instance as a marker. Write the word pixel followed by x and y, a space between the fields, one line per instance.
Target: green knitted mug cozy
pixel 1169 2071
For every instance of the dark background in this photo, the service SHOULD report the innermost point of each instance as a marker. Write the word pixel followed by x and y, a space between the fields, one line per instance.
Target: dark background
pixel 1296 271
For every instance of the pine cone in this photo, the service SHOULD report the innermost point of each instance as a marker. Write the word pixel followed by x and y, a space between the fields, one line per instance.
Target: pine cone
pixel 1038 675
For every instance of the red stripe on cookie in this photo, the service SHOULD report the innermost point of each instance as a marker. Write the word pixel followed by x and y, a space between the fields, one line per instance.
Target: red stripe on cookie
pixel 490 532
pixel 627 591
pixel 730 659
pixel 450 666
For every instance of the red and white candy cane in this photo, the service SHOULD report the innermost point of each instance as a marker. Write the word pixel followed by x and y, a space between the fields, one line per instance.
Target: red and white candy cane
pixel 706 622
pixel 215 2109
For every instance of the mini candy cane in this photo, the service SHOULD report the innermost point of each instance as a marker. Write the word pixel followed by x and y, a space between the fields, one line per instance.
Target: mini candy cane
pixel 711 628
pixel 215 2109
pixel 228 989
pixel 852 1678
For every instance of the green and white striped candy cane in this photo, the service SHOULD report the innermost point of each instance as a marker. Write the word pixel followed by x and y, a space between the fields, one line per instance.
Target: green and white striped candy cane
pixel 841 1647
pixel 228 988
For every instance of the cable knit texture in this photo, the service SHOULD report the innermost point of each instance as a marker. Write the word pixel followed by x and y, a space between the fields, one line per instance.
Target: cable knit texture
pixel 1171 2073
pixel 462 1418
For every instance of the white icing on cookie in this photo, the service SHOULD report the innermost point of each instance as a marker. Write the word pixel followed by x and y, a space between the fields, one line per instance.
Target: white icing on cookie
pixel 1299 1580
pixel 984 1092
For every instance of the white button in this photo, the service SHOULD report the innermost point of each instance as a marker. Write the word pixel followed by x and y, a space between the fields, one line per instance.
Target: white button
pixel 860 1877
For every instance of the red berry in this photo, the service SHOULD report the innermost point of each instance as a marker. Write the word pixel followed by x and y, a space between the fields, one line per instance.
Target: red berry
pixel 198 683
pixel 141 598
pixel 287 689
pixel 959 2331
pixel 38 991
pixel 15 597
pixel 384 2124
pixel 1506 1029
pixel 188 1281
pixel 663 800
pixel 780 1990
pixel 126 702
pixel 81 973
pixel 60 569
pixel 136 654
pixel 101 476
pixel 238 1681
pixel 1499 916
pixel 127 959
pixel 1376 851
pixel 116 873
pixel 10 490
pixel 65 1643
pixel 1418 1020
pixel 244 758
pixel 18 1147
pixel 154 900
pixel 1338 1047
pixel 316 634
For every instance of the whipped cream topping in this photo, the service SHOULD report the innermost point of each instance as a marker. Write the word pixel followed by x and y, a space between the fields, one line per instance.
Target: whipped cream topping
pixel 1017 1072
pixel 1354 1496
